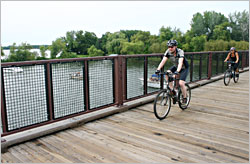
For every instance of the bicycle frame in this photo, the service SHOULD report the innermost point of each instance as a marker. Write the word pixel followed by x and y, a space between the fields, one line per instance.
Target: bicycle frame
pixel 175 81
pixel 230 68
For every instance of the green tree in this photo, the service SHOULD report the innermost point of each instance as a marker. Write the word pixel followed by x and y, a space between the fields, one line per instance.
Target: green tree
pixel 132 48
pixel 212 19
pixel 13 48
pixel 239 45
pixel 70 41
pixel 177 35
pixel 216 45
pixel 165 33
pixel 198 26
pixel 155 48
pixel 240 25
pixel 205 24
pixel 187 40
pixel 197 43
pixel 65 54
pixel 78 41
pixel 102 42
pixel 142 36
pixel 114 42
pixel 222 32
pixel 58 46
pixel 93 51
pixel 21 53
pixel 59 50
pixel 129 33
pixel 84 40
pixel 2 53
pixel 43 50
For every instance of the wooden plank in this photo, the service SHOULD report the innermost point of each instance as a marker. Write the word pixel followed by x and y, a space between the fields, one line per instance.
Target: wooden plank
pixel 94 150
pixel 19 155
pixel 61 149
pixel 190 124
pixel 112 149
pixel 40 153
pixel 143 148
pixel 169 141
pixel 191 137
pixel 8 157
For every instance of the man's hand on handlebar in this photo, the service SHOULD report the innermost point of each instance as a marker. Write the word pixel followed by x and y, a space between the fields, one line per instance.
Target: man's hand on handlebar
pixel 176 73
pixel 157 72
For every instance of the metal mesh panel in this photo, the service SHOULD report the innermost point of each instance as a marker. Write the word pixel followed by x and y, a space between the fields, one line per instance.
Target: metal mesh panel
pixel 101 83
pixel 135 72
pixel 25 95
pixel 205 59
pixel 240 59
pixel 68 88
pixel 222 66
pixel 214 64
pixel 153 63
pixel 188 57
pixel 196 66
pixel 247 56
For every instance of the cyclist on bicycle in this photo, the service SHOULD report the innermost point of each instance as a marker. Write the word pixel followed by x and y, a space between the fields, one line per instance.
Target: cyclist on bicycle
pixel 233 56
pixel 181 66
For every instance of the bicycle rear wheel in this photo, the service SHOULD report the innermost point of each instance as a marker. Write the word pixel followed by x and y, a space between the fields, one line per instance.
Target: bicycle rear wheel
pixel 236 76
pixel 227 77
pixel 162 104
pixel 184 105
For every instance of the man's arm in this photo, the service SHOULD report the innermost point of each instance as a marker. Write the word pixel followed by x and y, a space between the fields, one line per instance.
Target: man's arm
pixel 180 64
pixel 163 61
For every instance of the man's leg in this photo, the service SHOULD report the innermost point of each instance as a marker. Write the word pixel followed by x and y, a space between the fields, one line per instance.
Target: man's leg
pixel 171 83
pixel 171 69
pixel 183 88
pixel 182 82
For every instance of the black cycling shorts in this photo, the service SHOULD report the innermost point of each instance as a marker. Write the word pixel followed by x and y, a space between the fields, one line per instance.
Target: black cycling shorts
pixel 183 72
pixel 235 65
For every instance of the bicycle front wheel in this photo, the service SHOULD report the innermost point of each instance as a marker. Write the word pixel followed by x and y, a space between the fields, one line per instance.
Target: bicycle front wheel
pixel 236 76
pixel 227 77
pixel 183 105
pixel 162 105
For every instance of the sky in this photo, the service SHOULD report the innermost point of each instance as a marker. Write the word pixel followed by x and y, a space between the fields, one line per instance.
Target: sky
pixel 41 22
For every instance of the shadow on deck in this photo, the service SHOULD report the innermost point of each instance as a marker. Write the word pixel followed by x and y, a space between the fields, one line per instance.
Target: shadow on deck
pixel 215 128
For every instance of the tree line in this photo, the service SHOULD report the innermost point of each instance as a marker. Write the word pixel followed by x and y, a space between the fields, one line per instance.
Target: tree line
pixel 210 31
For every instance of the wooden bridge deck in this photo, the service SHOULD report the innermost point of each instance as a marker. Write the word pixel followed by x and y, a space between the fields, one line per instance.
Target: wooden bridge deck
pixel 214 129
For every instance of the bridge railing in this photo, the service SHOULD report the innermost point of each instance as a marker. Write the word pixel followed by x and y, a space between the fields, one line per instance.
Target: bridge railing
pixel 35 93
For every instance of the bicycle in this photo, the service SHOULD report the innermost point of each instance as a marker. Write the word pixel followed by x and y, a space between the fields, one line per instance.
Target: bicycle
pixel 162 102
pixel 230 73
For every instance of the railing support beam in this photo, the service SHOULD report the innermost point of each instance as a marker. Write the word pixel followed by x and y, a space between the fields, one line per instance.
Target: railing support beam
pixel 119 82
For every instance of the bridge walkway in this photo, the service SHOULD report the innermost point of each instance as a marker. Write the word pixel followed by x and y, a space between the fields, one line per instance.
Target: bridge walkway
pixel 215 128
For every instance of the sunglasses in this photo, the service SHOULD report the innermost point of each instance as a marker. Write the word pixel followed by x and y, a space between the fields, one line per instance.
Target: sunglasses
pixel 170 46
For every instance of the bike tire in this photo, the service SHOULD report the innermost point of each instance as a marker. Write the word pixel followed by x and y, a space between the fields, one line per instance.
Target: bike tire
pixel 162 105
pixel 236 79
pixel 184 106
pixel 227 77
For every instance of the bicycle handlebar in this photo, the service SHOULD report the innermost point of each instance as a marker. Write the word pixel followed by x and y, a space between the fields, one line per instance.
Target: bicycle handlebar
pixel 167 73
pixel 230 61
pixel 170 75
